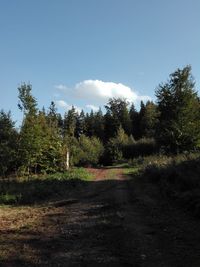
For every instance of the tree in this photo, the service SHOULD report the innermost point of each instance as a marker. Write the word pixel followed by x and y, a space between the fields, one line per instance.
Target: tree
pixel 70 119
pixel 27 103
pixel 91 149
pixel 149 120
pixel 40 143
pixel 80 124
pixel 8 144
pixel 89 124
pixel 52 116
pixel 114 147
pixel 117 114
pixel 135 122
pixel 179 112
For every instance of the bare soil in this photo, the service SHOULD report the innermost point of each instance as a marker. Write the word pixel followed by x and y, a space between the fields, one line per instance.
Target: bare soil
pixel 112 221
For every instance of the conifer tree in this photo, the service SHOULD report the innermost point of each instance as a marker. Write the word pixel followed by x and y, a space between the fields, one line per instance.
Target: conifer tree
pixel 8 144
pixel 179 112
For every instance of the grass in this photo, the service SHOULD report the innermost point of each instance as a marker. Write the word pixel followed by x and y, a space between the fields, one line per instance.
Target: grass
pixel 75 173
pixel 177 177
pixel 41 188
pixel 131 171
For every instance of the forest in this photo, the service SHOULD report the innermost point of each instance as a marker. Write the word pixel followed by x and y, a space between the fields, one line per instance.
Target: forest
pixel 168 126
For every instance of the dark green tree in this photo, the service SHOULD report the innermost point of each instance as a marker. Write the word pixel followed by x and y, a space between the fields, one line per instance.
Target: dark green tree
pixel 70 119
pixel 89 124
pixel 149 120
pixel 135 122
pixel 8 144
pixel 80 124
pixel 99 125
pixel 117 114
pixel 179 112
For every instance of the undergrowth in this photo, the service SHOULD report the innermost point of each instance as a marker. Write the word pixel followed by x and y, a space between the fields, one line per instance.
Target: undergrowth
pixel 28 190
pixel 177 177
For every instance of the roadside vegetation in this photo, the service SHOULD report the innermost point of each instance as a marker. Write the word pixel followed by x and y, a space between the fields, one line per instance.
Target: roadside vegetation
pixel 41 188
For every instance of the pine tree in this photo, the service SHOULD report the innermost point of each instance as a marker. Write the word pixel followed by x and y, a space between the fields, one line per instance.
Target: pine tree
pixel 70 119
pixel 8 144
pixel 135 123
pixel 99 125
pixel 80 124
pixel 149 120
pixel 179 112
pixel 117 114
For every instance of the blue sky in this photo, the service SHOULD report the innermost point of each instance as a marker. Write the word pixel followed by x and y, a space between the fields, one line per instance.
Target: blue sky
pixel 83 51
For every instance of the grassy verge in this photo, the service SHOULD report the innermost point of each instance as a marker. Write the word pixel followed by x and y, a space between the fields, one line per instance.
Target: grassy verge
pixel 177 177
pixel 40 188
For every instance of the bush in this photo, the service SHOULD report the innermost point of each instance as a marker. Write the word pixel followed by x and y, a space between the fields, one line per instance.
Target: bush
pixel 143 147
pixel 91 149
pixel 114 147
pixel 176 177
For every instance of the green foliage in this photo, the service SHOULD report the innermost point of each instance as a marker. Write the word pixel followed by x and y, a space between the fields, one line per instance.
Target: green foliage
pixel 177 177
pixel 40 143
pixel 70 120
pixel 27 103
pixel 114 148
pixel 45 139
pixel 91 150
pixel 148 120
pixel 71 144
pixel 80 124
pixel 179 113
pixel 8 144
pixel 84 151
pixel 39 188
pixel 141 147
pixel 74 173
pixel 135 122
pixel 117 114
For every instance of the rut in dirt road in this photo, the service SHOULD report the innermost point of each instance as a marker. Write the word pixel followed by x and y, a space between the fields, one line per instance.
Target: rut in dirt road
pixel 109 222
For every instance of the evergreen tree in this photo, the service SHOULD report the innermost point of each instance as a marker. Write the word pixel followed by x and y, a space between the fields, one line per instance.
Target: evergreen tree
pixel 118 114
pixel 135 122
pixel 149 120
pixel 80 124
pixel 8 144
pixel 52 116
pixel 141 117
pixel 99 125
pixel 179 112
pixel 89 124
pixel 70 119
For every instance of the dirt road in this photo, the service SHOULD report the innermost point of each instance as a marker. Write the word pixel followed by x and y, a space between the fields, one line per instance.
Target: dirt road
pixel 108 222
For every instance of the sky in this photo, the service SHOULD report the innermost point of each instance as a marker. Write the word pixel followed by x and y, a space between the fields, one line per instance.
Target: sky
pixel 83 52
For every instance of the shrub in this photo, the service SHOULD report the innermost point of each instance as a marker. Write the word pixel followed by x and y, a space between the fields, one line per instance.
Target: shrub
pixel 91 149
pixel 143 147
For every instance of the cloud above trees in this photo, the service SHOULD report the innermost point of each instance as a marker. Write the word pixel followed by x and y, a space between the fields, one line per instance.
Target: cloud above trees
pixel 96 93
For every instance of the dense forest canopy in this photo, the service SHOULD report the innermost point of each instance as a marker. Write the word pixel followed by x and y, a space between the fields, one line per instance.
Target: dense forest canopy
pixel 170 125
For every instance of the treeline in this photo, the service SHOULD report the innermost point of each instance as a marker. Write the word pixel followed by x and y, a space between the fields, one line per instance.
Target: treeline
pixel 170 125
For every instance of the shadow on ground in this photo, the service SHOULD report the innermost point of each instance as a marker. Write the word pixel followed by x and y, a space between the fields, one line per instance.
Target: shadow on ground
pixel 102 223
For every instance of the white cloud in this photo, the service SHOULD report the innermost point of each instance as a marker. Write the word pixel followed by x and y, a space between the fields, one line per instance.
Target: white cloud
pixel 96 89
pixel 61 87
pixel 98 93
pixel 62 104
pixel 95 108
pixel 65 105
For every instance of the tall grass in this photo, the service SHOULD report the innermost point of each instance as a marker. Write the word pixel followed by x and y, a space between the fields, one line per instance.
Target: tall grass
pixel 41 188
pixel 177 177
